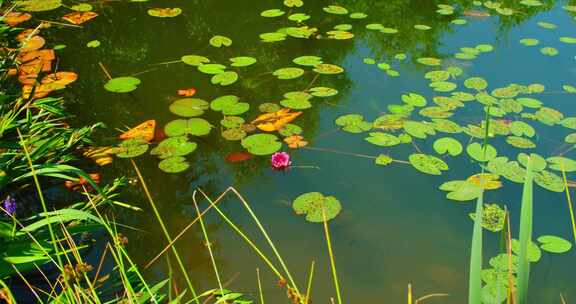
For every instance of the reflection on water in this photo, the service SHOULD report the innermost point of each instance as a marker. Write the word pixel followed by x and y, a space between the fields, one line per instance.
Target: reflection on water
pixel 395 227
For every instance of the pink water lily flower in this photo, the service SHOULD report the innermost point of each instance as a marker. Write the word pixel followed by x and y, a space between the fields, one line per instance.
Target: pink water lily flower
pixel 280 161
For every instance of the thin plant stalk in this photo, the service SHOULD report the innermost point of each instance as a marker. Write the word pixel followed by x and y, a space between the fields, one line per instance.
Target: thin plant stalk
pixel 331 254
pixel 165 231
pixel 525 235
pixel 409 293
pixel 309 286
pixel 260 286
pixel 266 236
pixel 243 235
pixel 570 205
pixel 208 245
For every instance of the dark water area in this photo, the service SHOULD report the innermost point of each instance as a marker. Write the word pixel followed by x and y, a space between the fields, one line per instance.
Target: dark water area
pixel 396 227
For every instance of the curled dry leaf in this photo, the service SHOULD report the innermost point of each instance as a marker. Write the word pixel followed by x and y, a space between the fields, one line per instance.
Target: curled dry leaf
pixel 187 92
pixel 270 122
pixel 145 131
pixel 79 17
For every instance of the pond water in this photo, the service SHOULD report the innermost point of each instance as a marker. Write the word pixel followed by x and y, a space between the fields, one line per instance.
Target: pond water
pixel 396 227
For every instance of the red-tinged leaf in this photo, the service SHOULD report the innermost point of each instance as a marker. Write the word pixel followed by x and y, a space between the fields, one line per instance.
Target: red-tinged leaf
pixel 238 157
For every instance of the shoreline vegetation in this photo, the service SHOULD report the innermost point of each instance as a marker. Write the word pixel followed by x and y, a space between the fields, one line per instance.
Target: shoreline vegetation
pixel 44 238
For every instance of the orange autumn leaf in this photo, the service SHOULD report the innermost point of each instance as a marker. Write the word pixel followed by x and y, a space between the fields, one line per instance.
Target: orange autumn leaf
pixel 40 91
pixel 491 181
pixel 295 141
pixel 79 17
pixel 15 18
pixel 44 55
pixel 61 78
pixel 102 156
pixel 270 122
pixel 145 130
pixel 33 44
pixel 77 185
pixel 25 33
pixel 187 92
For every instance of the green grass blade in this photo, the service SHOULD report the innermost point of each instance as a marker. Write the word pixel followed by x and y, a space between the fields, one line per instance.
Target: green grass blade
pixel 525 236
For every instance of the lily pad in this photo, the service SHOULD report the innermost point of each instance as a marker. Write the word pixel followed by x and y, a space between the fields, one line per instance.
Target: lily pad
pixel 261 144
pixel 174 146
pixel 534 253
pixel 194 60
pixel 220 41
pixel 308 60
pixel 271 13
pixel 538 162
pixel 38 5
pixel 460 190
pixel 323 91
pixel 428 164
pixel 529 41
pixel 520 142
pixel 288 73
pixel 124 84
pixel 418 129
pixel 520 128
pixel 414 99
pixel 165 12
pixel 188 107
pixel 192 126
pixel 174 164
pixel 335 9
pixel 243 61
pixel 353 123
pixel 212 68
pixel 293 3
pixel 429 61
pixel 132 148
pixel 443 86
pixel 476 151
pixel 476 83
pixel 383 160
pixel 554 244
pixel 234 134
pixel 448 145
pixel 559 163
pixel 317 207
pixel 329 69
pixel 299 17
pixel 549 51
pixel 493 218
pixel 549 181
pixel 382 139
pixel 272 37
pixel 225 78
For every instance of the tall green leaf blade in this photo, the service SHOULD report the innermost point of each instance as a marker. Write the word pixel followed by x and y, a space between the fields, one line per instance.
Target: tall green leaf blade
pixel 475 280
pixel 525 235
